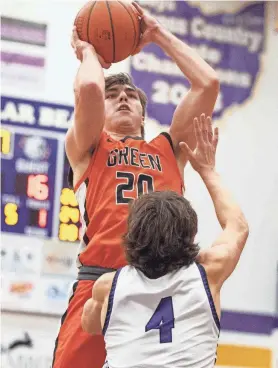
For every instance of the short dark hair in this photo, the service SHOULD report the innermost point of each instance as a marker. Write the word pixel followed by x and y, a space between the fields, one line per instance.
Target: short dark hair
pixel 125 78
pixel 111 80
pixel 160 234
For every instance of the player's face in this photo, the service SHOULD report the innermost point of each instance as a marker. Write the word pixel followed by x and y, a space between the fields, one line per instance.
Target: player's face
pixel 123 110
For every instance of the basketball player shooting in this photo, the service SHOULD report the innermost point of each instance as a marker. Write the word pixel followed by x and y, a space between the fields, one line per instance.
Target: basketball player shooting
pixel 113 165
pixel 163 309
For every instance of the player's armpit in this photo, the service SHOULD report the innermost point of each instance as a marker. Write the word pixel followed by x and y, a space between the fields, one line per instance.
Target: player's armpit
pixel 221 259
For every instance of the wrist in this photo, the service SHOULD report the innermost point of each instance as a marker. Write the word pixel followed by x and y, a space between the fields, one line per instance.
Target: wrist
pixel 159 34
pixel 89 49
pixel 208 173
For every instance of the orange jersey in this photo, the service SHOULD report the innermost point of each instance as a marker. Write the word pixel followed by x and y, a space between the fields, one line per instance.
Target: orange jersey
pixel 120 171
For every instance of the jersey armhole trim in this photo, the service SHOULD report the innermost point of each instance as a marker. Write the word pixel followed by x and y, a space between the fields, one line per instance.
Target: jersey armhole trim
pixel 86 173
pixel 208 292
pixel 169 139
pixel 110 301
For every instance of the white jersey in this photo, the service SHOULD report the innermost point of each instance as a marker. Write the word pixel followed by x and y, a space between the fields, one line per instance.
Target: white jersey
pixel 169 322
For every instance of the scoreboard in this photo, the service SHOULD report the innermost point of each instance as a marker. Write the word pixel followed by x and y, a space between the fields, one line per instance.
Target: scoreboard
pixel 35 197
pixel 27 182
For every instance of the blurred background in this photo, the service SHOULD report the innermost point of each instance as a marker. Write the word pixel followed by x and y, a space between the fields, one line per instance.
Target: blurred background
pixel 39 213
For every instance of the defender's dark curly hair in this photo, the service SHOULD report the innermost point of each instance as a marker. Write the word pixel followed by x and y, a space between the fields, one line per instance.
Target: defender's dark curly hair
pixel 160 235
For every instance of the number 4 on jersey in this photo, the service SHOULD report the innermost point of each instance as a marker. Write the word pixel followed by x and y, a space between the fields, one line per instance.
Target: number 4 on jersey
pixel 163 320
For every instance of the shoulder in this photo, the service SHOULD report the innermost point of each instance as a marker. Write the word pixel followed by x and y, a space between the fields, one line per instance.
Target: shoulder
pixel 214 260
pixel 105 280
pixel 163 138
pixel 103 286
pixel 163 141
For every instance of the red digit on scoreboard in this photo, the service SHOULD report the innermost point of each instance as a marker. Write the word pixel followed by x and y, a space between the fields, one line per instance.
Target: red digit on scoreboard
pixel 42 217
pixel 37 187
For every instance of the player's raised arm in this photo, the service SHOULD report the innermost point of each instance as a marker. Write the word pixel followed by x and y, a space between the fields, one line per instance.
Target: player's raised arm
pixel 204 82
pixel 89 101
pixel 221 259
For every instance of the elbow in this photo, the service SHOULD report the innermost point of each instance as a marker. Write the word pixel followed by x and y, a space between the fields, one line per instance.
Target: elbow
pixel 242 226
pixel 245 229
pixel 209 86
pixel 237 223
pixel 212 83
pixel 89 89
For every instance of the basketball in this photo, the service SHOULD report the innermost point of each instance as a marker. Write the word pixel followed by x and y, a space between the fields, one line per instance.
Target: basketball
pixel 112 27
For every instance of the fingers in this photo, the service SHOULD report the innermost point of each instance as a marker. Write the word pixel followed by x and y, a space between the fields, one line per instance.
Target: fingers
pixel 209 128
pixel 103 63
pixel 184 147
pixel 142 43
pixel 74 37
pixel 215 138
pixel 137 50
pixel 204 127
pixel 198 131
pixel 138 8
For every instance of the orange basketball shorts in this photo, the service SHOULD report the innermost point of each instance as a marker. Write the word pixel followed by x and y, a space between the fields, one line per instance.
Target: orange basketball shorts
pixel 75 348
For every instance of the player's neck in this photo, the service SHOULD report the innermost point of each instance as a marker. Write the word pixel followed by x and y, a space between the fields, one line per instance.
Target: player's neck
pixel 117 136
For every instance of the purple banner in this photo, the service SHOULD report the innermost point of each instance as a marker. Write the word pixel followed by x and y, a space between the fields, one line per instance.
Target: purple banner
pixel 18 30
pixel 231 43
pixel 21 59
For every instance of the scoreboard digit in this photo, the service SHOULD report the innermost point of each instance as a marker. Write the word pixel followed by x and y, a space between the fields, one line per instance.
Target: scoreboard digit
pixel 69 216
pixel 6 143
pixel 11 214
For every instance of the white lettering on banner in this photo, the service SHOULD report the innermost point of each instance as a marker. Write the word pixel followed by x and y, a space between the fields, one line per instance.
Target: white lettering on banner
pixel 246 20
pixel 24 166
pixel 222 34
pixel 175 25
pixel 151 63
pixel 160 6
pixel 58 118
pixel 165 93
pixel 211 55
pixel 234 78
pixel 18 113
pixel 146 61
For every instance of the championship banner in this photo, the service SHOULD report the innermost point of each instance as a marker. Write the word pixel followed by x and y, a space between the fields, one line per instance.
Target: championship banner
pixel 232 43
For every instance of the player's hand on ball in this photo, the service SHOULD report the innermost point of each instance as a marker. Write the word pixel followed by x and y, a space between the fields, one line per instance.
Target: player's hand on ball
pixel 149 26
pixel 203 158
pixel 80 46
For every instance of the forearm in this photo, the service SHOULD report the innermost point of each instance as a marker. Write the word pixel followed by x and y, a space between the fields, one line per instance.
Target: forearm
pixel 196 70
pixel 227 210
pixel 90 71
pixel 91 317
